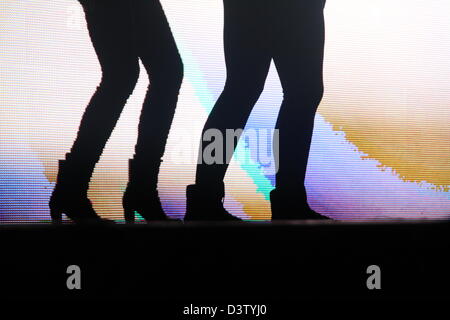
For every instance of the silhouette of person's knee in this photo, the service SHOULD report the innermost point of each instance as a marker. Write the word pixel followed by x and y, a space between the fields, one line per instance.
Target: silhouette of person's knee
pixel 120 82
pixel 244 91
pixel 305 93
pixel 310 98
pixel 166 79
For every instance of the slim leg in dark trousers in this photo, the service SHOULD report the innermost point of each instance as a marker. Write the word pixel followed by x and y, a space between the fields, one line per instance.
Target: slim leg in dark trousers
pixel 291 32
pixel 122 32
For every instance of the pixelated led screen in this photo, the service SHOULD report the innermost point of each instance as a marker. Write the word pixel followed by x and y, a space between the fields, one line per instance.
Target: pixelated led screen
pixel 381 142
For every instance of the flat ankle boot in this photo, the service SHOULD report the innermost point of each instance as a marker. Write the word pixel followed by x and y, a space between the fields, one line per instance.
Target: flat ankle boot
pixel 142 198
pixel 206 204
pixel 290 205
pixel 70 195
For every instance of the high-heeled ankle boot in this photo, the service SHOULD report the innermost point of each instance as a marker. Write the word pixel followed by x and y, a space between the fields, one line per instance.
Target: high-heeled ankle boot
pixel 70 194
pixel 141 195
pixel 206 204
pixel 292 204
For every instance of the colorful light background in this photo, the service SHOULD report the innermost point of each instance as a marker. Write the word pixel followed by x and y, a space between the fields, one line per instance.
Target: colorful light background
pixel 381 142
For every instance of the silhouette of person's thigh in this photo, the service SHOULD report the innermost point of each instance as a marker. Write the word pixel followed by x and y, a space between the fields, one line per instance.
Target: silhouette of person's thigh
pixel 152 36
pixel 298 43
pixel 110 28
pixel 246 39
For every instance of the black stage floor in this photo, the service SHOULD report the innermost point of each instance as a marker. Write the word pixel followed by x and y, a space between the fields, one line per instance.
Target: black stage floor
pixel 227 262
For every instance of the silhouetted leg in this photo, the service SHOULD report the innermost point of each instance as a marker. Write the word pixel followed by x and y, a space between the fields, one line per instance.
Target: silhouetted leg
pixel 159 54
pixel 248 60
pixel 158 51
pixel 109 24
pixel 299 50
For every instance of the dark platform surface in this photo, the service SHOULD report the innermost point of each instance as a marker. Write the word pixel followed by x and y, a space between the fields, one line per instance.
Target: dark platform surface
pixel 227 262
